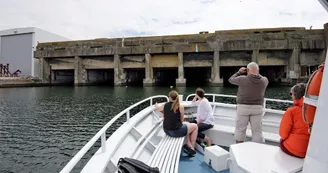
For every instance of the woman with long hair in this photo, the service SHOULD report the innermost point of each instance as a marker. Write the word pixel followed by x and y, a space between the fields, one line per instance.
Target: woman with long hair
pixel 173 125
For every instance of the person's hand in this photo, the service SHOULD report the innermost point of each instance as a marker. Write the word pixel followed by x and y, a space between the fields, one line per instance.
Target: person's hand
pixel 242 70
pixel 194 99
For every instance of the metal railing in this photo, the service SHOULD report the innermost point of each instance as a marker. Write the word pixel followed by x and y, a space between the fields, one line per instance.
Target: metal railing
pixel 102 134
pixel 233 96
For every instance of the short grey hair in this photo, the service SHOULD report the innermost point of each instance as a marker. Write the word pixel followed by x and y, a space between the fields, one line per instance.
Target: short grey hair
pixel 298 90
pixel 253 65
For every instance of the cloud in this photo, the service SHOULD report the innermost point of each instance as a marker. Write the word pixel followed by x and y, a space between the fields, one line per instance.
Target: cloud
pixel 85 19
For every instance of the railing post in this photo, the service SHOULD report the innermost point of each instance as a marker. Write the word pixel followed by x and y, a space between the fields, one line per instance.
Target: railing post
pixel 128 116
pixel 103 142
pixel 213 98
pixel 264 106
pixel 151 101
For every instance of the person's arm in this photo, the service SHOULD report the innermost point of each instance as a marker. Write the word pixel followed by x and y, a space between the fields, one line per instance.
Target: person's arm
pixel 266 82
pixel 181 108
pixel 159 107
pixel 194 102
pixel 286 124
pixel 235 79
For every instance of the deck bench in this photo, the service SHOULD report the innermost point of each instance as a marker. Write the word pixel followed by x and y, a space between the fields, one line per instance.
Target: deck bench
pixel 218 130
pixel 167 154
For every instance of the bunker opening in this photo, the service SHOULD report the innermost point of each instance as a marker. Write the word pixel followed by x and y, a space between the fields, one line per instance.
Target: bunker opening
pixel 62 77
pixel 100 77
pixel 197 76
pixel 226 73
pixel 275 74
pixel 135 76
pixel 165 76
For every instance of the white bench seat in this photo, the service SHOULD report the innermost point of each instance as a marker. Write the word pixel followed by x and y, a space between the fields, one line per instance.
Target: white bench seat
pixel 167 154
pixel 229 129
pixel 262 158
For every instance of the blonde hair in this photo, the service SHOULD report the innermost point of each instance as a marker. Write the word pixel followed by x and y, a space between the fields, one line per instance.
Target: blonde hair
pixel 175 98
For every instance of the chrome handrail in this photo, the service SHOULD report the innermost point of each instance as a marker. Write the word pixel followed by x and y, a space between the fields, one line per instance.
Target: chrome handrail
pixel 102 134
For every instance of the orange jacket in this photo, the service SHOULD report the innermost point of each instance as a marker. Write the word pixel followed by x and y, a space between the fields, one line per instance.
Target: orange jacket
pixel 294 131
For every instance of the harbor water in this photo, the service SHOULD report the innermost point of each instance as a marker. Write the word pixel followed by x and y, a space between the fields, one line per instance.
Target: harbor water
pixel 42 128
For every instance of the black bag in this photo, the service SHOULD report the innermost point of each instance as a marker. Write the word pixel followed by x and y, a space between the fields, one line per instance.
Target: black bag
pixel 128 165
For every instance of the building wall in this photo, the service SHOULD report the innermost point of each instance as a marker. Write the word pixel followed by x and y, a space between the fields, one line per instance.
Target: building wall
pixel 16 50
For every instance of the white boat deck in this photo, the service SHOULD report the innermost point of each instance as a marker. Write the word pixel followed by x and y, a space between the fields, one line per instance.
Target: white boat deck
pixel 143 138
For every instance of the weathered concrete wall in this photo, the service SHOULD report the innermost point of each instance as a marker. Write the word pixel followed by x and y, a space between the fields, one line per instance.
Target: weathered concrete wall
pixel 137 61
pixel 235 58
pixel 98 62
pixel 162 61
pixel 274 58
pixel 289 47
pixel 197 59
pixel 62 63
pixel 312 57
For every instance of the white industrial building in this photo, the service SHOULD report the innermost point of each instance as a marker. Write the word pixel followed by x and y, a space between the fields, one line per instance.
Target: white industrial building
pixel 17 48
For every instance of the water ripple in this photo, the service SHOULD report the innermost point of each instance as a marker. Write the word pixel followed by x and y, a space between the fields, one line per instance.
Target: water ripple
pixel 42 128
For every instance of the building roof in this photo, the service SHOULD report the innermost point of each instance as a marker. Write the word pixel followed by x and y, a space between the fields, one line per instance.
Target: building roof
pixel 25 30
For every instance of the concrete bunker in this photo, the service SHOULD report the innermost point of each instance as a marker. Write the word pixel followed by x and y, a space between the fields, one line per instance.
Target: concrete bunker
pixel 197 76
pixel 165 76
pixel 62 77
pixel 100 77
pixel 134 76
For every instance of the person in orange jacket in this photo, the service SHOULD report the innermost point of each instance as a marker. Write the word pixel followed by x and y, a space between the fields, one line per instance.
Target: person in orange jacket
pixel 293 130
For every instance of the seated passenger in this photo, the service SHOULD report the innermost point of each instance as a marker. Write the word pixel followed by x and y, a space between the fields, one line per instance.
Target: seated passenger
pixel 173 124
pixel 204 119
pixel 293 130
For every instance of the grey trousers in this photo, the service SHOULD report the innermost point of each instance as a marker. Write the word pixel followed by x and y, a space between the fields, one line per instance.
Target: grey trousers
pixel 252 114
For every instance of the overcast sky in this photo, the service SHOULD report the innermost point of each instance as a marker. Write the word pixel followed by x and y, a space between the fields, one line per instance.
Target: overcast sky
pixel 87 19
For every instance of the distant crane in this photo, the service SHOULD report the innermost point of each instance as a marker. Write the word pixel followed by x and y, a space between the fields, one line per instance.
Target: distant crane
pixel 4 71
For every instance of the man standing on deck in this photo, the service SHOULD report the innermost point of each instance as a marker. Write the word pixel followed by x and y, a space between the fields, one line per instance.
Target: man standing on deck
pixel 250 98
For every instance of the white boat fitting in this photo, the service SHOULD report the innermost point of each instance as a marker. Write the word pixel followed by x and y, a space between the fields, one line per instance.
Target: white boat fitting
pixel 142 137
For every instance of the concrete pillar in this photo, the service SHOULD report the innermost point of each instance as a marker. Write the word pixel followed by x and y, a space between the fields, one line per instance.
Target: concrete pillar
pixel 256 55
pixel 294 67
pixel 215 76
pixel 45 70
pixel 148 81
pixel 181 81
pixel 119 77
pixel 80 73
